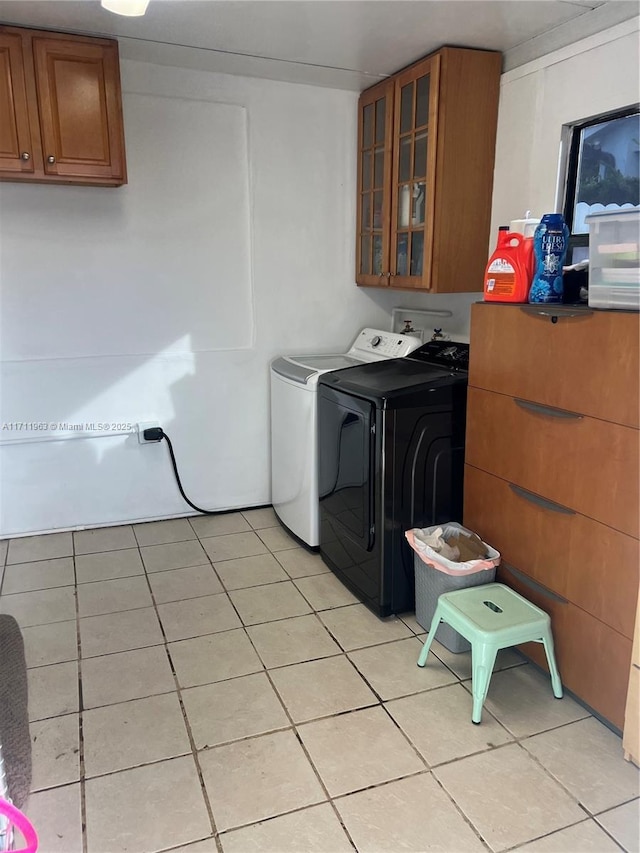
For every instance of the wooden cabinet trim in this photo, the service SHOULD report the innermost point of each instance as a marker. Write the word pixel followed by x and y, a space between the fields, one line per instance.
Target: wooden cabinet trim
pixel 631 737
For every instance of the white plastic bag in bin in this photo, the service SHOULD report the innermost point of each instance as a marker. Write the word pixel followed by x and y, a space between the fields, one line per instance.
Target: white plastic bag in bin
pixel 415 538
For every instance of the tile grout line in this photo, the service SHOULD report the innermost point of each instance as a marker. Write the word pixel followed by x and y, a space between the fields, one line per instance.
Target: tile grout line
pixel 547 772
pixel 192 744
pixel 298 737
pixel 419 755
pixel 584 820
pixel 294 728
pixel 83 796
pixel 380 703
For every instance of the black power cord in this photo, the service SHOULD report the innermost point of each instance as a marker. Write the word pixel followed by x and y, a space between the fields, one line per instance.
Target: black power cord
pixel 158 434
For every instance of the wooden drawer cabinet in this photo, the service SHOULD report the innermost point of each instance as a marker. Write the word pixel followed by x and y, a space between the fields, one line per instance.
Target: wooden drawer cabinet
pixel 523 444
pixel 586 362
pixel 426 142
pixel 593 659
pixel 551 478
pixel 573 556
pixel 60 109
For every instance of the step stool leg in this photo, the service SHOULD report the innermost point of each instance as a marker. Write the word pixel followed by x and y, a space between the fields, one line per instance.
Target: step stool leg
pixel 556 683
pixel 483 657
pixel 437 616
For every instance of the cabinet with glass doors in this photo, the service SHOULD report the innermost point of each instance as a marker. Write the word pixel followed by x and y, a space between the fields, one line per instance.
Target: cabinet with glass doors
pixel 426 140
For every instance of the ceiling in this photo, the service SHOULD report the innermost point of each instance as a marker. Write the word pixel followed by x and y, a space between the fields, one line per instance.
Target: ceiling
pixel 347 44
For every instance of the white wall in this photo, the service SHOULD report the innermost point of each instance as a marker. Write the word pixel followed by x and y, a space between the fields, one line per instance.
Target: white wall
pixel 593 76
pixel 136 304
pixel 166 299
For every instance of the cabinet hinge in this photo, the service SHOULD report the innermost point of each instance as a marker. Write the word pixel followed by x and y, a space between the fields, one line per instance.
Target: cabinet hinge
pixel 373 429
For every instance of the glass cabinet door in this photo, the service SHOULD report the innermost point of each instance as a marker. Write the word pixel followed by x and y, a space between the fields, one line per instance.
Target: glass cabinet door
pixel 375 125
pixel 413 174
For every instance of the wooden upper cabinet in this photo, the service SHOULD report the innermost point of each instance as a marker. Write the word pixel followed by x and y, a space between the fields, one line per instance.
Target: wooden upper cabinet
pixel 60 104
pixel 15 135
pixel 375 128
pixel 426 142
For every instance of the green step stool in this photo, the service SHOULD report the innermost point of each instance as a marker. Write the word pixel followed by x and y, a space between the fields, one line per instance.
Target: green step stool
pixel 492 617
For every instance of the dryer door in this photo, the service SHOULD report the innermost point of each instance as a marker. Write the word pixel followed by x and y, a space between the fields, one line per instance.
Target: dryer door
pixel 345 463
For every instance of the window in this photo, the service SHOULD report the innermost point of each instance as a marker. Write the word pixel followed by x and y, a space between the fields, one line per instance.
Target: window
pixel 603 171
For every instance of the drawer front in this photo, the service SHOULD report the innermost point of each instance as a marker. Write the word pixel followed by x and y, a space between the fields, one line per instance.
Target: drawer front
pixel 582 463
pixel 586 364
pixel 593 566
pixel 593 659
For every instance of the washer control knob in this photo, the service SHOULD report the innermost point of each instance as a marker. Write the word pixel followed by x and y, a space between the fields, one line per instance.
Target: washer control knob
pixel 376 341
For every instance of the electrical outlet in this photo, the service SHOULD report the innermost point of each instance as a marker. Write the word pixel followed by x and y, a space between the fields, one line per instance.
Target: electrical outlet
pixel 146 425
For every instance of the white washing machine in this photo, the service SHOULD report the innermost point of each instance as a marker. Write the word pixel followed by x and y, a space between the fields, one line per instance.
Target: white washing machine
pixel 294 451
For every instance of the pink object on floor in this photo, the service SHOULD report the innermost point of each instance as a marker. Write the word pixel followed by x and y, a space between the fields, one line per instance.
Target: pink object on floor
pixel 22 823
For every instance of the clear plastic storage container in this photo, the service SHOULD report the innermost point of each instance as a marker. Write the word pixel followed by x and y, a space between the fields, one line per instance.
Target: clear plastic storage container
pixel 614 259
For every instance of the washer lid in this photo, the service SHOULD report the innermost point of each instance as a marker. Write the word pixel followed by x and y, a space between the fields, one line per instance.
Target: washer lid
pixel 306 368
pixel 326 362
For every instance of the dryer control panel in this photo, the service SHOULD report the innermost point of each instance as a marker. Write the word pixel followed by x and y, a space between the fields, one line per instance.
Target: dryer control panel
pixel 373 344
pixel 444 354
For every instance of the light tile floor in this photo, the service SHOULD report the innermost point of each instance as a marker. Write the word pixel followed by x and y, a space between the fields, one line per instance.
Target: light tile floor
pixel 204 684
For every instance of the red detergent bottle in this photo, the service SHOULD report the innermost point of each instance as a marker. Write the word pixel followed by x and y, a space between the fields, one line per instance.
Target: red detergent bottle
pixel 508 274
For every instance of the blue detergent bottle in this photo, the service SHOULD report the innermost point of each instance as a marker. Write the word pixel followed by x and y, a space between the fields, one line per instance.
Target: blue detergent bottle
pixel 550 247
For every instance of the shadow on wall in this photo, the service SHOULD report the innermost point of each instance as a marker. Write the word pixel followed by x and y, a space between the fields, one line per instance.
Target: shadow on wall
pixel 110 479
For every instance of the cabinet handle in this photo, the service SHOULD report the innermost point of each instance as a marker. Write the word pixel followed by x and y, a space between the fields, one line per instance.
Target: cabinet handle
pixel 51 159
pixel 557 312
pixel 541 502
pixel 539 409
pixel 527 581
pixel 25 155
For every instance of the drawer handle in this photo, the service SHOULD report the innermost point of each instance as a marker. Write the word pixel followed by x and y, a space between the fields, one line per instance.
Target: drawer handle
pixel 557 312
pixel 527 581
pixel 539 409
pixel 542 502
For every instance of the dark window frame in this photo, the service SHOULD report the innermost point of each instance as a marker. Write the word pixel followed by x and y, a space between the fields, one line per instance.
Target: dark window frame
pixel 573 133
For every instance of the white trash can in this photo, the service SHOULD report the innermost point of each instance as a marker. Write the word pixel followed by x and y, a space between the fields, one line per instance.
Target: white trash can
pixel 435 575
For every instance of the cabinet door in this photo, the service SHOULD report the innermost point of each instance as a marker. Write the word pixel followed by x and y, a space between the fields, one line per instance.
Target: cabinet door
pixel 413 178
pixel 375 124
pixel 78 87
pixel 16 154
